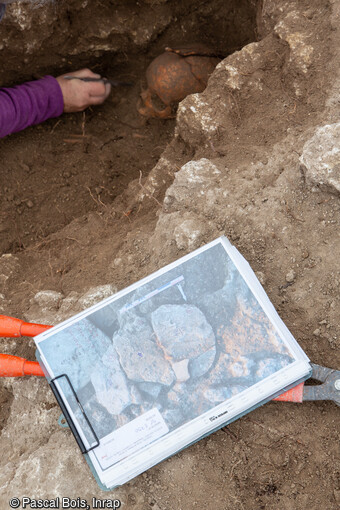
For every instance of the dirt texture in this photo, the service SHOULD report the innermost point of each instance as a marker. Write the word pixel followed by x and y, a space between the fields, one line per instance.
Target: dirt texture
pixel 92 203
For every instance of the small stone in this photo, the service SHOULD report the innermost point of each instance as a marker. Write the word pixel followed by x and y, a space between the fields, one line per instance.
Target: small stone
pixel 261 277
pixel 189 234
pixel 316 332
pixel 96 294
pixel 48 299
pixel 25 167
pixel 309 13
pixel 290 276
pixel 29 204
pixel 305 254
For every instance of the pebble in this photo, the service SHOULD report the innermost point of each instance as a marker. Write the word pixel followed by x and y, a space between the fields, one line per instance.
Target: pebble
pixel 310 13
pixel 48 299
pixel 29 204
pixel 290 276
pixel 261 277
pixel 316 332
pixel 336 493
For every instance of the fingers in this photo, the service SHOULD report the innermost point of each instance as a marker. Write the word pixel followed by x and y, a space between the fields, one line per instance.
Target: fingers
pixel 78 94
pixel 83 73
pixel 104 91
pixel 98 99
pixel 96 88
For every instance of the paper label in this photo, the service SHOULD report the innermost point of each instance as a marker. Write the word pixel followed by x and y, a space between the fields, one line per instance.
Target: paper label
pixel 131 438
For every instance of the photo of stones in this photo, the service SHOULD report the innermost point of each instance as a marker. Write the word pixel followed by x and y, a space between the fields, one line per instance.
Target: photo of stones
pixel 184 342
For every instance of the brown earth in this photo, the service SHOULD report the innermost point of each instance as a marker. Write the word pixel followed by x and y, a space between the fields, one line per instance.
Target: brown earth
pixel 103 198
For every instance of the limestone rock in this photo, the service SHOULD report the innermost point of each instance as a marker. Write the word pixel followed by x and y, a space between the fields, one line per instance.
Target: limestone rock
pixel 194 177
pixel 81 341
pixel 320 159
pixel 48 299
pixel 196 112
pixel 301 51
pixel 200 365
pixel 189 234
pixel 8 264
pixel 96 294
pixel 101 419
pixel 182 331
pixel 140 356
pixel 201 116
pixel 3 304
pixel 51 307
pixel 152 389
pixel 181 369
pixel 110 383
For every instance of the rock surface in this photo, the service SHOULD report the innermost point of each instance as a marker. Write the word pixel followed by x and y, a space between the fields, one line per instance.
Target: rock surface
pixel 139 354
pixel 320 159
pixel 183 331
pixel 252 122
pixel 110 383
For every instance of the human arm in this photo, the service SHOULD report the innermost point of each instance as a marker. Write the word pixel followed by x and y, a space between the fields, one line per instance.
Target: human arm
pixel 29 104
pixel 34 102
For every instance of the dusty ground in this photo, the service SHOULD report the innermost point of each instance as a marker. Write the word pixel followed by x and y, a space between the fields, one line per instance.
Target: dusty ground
pixel 77 215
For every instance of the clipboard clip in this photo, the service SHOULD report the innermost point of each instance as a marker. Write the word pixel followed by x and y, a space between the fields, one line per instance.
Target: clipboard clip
pixel 68 418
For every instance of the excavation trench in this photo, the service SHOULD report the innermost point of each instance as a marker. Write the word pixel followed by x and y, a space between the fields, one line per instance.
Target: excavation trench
pixel 83 224
pixel 61 170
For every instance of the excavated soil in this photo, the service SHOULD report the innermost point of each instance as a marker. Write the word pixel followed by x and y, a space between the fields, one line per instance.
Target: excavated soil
pixel 101 198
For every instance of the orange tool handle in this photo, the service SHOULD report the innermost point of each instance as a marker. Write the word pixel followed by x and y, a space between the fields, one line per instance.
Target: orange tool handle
pixel 12 327
pixel 13 366
pixel 293 395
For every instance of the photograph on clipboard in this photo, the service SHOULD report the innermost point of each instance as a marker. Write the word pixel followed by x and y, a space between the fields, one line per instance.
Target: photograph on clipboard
pixel 168 360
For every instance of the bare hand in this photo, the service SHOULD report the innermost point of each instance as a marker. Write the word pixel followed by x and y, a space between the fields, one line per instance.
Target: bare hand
pixel 78 95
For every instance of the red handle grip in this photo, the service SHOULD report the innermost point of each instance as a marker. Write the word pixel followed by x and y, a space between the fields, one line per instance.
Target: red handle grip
pixel 12 327
pixel 13 366
pixel 293 395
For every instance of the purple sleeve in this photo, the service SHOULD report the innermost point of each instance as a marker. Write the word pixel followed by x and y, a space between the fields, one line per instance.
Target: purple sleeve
pixel 28 104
